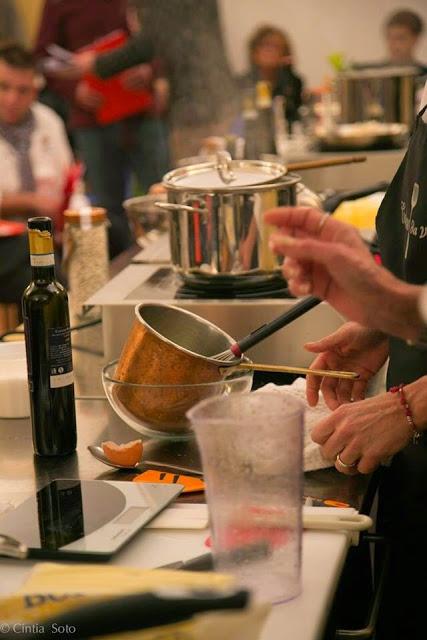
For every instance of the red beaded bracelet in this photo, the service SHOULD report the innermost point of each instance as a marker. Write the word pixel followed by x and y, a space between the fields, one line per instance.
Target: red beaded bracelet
pixel 408 413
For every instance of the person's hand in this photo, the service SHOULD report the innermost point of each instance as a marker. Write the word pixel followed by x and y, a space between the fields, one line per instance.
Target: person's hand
pixel 328 259
pixel 88 98
pixel 157 188
pixel 364 433
pixel 351 348
pixel 138 77
pixel 332 272
pixel 161 91
pixel 84 62
pixel 132 19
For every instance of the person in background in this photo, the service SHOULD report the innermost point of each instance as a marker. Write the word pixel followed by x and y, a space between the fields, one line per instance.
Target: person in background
pixel 110 152
pixel 34 161
pixel 138 53
pixel 10 23
pixel 202 93
pixel 359 434
pixel 403 31
pixel 187 35
pixel 271 60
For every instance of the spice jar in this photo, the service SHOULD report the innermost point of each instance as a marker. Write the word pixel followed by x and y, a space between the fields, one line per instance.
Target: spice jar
pixel 85 254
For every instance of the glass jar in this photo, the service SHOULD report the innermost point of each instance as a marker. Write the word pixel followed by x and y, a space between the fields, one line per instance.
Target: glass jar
pixel 85 255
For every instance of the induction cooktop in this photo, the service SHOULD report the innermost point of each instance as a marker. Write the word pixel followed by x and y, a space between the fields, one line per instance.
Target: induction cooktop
pixel 84 519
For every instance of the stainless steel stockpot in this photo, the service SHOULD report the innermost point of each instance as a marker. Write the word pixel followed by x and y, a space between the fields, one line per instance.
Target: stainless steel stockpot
pixel 216 224
pixel 382 93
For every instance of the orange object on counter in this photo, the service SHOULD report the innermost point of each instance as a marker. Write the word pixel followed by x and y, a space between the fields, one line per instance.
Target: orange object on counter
pixel 128 454
pixel 191 484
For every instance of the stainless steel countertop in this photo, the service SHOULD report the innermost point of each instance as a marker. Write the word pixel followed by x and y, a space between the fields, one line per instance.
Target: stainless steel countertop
pixel 96 422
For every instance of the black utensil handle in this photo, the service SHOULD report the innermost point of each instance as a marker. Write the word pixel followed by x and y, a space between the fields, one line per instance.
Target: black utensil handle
pixel 199 563
pixel 136 611
pixel 284 319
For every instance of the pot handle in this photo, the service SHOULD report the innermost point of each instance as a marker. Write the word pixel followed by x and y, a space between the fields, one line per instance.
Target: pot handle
pixel 223 166
pixel 169 206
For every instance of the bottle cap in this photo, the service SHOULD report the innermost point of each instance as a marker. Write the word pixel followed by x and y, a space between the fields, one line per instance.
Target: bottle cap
pixel 40 236
pixel 86 216
pixel 41 223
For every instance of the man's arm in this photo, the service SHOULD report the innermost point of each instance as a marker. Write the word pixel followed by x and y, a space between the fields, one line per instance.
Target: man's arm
pixel 138 50
pixel 28 203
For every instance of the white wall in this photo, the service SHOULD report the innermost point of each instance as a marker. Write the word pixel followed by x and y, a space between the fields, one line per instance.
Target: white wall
pixel 317 28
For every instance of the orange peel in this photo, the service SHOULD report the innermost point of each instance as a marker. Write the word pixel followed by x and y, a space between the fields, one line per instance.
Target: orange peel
pixel 127 454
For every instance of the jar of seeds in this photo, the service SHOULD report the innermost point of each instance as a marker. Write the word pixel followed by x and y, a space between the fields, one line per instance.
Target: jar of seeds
pixel 85 256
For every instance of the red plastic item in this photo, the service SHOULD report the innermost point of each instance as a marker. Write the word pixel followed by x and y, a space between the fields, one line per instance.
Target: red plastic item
pixel 9 228
pixel 74 173
pixel 119 102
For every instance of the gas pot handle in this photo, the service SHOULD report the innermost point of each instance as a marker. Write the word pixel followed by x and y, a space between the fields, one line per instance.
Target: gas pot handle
pixel 169 206
pixel 223 166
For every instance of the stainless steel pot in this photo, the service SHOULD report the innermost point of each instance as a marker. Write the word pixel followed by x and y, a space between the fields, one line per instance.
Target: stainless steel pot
pixel 364 135
pixel 216 223
pixel 383 93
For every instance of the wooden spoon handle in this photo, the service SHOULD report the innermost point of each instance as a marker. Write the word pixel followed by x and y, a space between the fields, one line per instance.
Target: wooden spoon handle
pixel 253 366
pixel 324 162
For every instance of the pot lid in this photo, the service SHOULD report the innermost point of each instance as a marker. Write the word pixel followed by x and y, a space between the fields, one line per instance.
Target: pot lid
pixel 379 72
pixel 224 175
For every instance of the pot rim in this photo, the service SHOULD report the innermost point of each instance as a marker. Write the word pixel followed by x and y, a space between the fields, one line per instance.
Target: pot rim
pixel 194 316
pixel 146 200
pixel 285 180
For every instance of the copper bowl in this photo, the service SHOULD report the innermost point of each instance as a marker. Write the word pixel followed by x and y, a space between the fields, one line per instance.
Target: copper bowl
pixel 167 365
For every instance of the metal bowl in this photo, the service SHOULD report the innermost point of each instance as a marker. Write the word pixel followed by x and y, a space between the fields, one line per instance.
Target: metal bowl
pixel 168 364
pixel 144 215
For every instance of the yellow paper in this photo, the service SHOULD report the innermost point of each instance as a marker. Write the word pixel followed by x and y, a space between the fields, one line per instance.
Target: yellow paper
pixel 52 587
pixel 360 213
pixel 55 588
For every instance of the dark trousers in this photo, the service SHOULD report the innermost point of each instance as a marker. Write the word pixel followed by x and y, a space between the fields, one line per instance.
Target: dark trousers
pixel 111 154
pixel 15 270
pixel 402 517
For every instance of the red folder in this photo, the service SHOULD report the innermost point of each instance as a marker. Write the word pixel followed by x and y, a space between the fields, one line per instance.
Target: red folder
pixel 119 102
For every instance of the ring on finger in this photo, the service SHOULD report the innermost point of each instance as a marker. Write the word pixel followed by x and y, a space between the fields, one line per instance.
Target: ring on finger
pixel 344 464
pixel 322 223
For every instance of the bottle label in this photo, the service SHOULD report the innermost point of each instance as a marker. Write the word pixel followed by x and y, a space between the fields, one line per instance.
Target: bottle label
pixel 42 260
pixel 60 358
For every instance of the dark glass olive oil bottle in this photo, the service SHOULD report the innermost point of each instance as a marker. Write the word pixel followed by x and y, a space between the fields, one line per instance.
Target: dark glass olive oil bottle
pixel 48 346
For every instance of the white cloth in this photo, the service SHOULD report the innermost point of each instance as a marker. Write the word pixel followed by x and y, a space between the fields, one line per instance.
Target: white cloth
pixel 50 155
pixel 313 458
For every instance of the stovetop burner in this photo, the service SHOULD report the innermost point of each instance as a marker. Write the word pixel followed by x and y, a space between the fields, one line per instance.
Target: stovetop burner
pixel 164 283
pixel 249 287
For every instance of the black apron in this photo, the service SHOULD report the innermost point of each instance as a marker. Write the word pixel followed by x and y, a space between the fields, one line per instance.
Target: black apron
pixel 402 235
